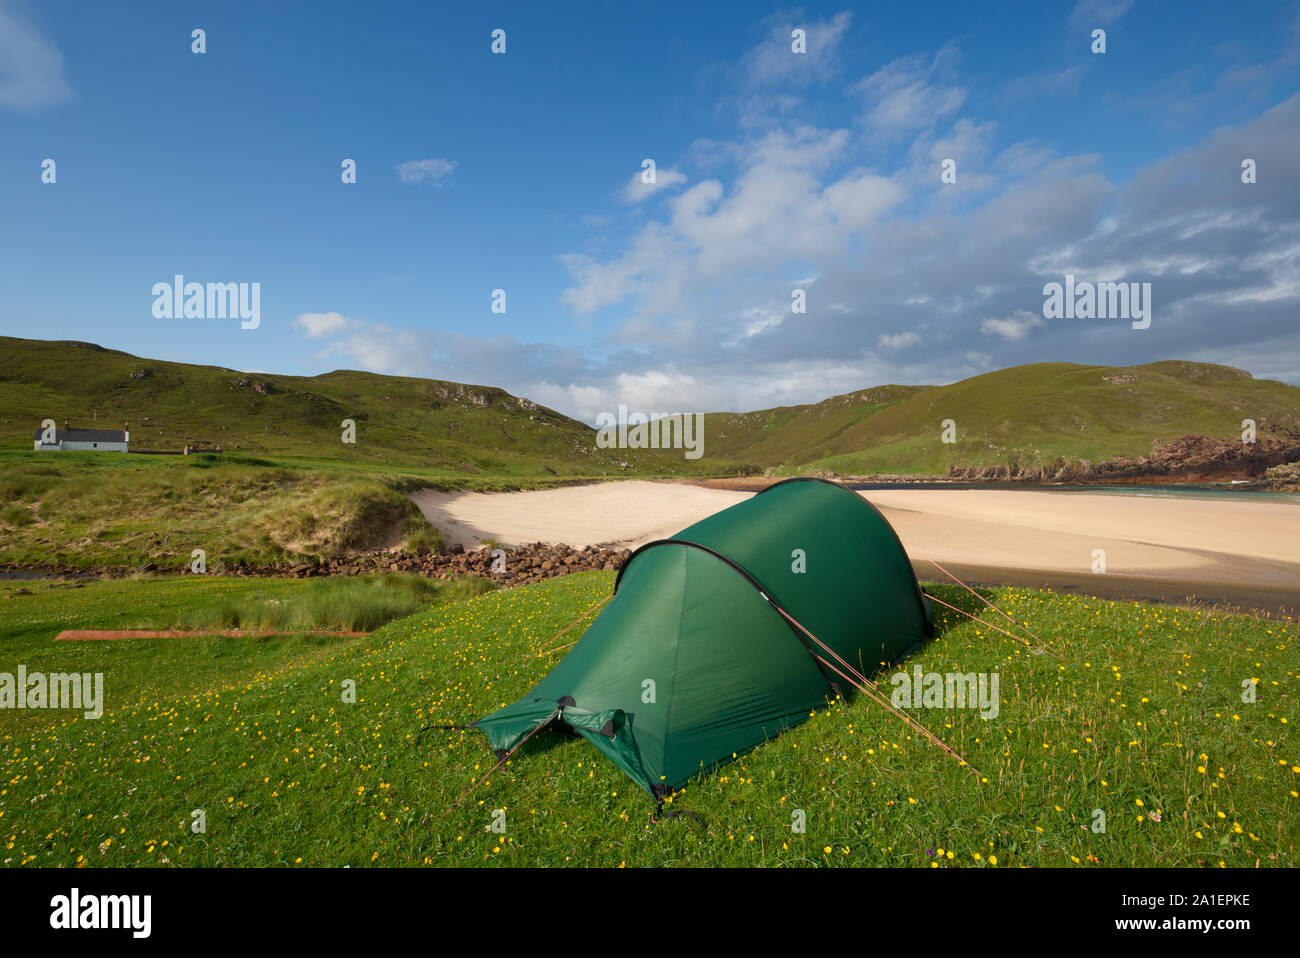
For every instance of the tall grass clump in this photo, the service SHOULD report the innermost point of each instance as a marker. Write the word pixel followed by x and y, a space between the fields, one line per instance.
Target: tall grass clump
pixel 360 604
pixel 420 538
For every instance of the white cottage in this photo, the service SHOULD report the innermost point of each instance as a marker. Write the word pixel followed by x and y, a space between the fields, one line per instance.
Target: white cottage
pixel 70 440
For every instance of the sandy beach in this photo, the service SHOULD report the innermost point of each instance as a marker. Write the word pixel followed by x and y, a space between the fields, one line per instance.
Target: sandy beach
pixel 603 514
pixel 1183 544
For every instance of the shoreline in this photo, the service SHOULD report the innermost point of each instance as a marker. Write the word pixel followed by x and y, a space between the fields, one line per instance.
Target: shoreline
pixel 1267 601
pixel 1245 552
pixel 759 483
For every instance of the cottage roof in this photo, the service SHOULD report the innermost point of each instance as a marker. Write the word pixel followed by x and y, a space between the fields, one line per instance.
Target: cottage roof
pixel 85 435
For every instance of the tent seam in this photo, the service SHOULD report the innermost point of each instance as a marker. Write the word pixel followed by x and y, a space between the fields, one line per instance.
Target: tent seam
pixel 677 651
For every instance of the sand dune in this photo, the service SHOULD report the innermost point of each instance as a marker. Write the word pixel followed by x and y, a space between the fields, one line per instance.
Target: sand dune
pixel 1196 540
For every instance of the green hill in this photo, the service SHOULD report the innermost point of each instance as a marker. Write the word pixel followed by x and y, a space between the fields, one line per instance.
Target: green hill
pixel 440 426
pixel 792 435
pixel 1035 414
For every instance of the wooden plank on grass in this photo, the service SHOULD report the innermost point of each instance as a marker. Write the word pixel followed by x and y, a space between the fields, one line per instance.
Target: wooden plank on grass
pixel 97 634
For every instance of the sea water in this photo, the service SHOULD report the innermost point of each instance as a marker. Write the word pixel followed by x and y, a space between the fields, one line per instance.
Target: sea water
pixel 1222 490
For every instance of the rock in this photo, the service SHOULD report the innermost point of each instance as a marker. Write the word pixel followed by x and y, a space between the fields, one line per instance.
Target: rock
pixel 534 562
pixel 1190 458
pixel 1285 477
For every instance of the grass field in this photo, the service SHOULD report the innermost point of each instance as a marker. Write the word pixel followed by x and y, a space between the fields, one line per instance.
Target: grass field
pixel 1035 414
pixel 146 670
pixel 95 511
pixel 1142 718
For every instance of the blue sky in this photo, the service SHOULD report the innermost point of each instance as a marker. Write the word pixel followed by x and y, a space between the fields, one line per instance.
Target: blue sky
pixel 819 171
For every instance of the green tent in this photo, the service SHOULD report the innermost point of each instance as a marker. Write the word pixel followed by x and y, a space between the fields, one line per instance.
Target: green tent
pixel 692 663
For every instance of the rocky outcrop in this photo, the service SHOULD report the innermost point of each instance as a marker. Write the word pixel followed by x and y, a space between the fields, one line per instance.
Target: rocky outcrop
pixel 1188 459
pixel 1284 478
pixel 462 394
pixel 257 385
pixel 524 564
pixel 517 566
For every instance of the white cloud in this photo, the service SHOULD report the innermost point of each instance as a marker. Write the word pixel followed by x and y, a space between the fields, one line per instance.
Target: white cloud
pixel 760 320
pixel 1054 83
pixel 1098 13
pixel 670 389
pixel 434 170
pixel 891 341
pixel 777 210
pixel 317 325
pixel 380 350
pixel 911 93
pixel 774 60
pixel 1022 159
pixel 603 284
pixel 31 66
pixel 638 190
pixel 1014 327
